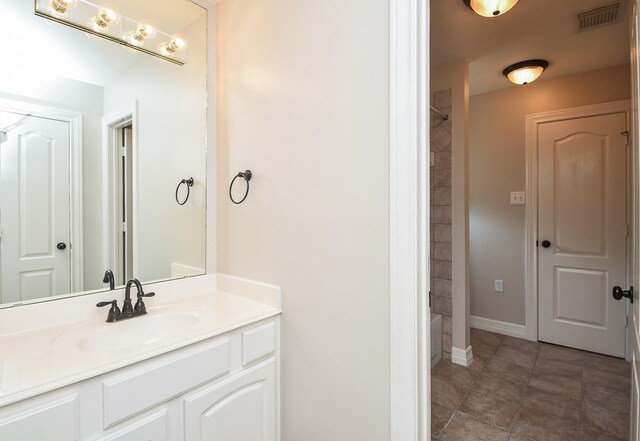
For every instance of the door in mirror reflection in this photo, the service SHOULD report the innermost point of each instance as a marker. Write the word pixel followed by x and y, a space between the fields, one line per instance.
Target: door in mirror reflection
pixel 35 248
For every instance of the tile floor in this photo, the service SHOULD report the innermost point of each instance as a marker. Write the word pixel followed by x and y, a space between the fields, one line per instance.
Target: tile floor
pixel 517 390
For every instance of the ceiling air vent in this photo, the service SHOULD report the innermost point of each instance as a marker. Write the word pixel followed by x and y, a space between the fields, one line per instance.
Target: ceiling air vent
pixel 600 16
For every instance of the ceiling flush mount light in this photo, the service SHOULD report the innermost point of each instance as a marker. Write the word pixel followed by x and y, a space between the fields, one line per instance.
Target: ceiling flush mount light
pixel 60 7
pixel 525 72
pixel 177 43
pixel 490 8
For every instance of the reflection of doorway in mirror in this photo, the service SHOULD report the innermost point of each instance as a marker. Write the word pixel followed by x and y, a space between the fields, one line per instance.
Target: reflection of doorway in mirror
pixel 35 257
pixel 125 205
pixel 121 192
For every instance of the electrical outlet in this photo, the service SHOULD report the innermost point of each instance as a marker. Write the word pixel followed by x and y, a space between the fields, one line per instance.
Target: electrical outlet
pixel 499 285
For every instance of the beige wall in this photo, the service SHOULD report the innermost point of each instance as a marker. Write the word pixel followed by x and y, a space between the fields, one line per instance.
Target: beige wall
pixel 303 103
pixel 497 167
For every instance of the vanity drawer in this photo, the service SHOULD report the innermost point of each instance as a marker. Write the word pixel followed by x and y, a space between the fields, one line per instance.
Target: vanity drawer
pixel 258 342
pixel 151 384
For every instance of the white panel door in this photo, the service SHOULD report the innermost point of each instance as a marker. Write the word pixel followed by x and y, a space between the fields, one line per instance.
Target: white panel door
pixel 240 409
pixel 582 230
pixel 634 332
pixel 34 208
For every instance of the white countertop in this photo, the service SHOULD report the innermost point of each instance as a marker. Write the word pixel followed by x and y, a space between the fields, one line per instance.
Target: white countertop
pixel 39 360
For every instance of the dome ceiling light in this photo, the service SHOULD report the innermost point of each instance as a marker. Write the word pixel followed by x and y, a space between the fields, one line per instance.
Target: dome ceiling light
pixel 525 72
pixel 490 8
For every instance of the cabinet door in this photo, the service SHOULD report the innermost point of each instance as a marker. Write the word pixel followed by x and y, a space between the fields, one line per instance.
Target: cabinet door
pixel 242 408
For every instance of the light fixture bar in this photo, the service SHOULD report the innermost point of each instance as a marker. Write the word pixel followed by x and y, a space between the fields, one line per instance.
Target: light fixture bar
pixel 85 28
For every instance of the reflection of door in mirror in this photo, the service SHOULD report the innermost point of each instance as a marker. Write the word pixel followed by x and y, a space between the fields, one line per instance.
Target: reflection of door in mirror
pixel 120 168
pixel 34 207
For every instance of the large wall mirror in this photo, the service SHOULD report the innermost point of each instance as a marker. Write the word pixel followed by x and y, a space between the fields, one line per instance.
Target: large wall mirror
pixel 95 138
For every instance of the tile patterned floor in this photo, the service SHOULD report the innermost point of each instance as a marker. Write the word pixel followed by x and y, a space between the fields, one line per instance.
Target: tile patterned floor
pixel 517 390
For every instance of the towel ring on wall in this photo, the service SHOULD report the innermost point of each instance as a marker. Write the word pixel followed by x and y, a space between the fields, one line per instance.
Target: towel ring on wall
pixel 247 175
pixel 189 183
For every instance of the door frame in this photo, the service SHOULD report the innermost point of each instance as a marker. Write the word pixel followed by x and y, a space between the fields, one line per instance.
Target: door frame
pixel 76 223
pixel 410 382
pixel 112 122
pixel 531 208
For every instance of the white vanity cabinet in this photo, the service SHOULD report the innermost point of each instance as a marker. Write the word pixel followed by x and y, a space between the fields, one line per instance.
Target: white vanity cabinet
pixel 223 388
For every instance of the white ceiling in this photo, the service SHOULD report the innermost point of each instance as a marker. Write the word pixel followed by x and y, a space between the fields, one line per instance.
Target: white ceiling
pixel 532 29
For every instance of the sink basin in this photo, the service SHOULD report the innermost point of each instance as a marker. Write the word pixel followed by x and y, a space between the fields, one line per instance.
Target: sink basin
pixel 155 327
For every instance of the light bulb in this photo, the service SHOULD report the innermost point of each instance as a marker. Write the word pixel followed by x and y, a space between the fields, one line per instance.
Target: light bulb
pixel 177 43
pixel 107 15
pixel 60 7
pixel 146 30
pixel 492 8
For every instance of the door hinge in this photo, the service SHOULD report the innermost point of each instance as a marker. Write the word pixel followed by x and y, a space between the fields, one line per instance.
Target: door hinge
pixel 124 227
pixel 123 152
pixel 429 299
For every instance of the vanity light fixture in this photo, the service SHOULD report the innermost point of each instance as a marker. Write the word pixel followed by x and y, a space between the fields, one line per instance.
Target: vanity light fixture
pixel 59 8
pixel 177 43
pixel 107 22
pixel 490 8
pixel 145 30
pixel 107 15
pixel 525 72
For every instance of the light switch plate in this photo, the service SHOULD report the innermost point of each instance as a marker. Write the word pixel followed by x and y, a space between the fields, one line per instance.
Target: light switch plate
pixel 518 198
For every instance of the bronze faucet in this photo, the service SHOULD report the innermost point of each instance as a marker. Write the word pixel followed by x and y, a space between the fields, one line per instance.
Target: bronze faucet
pixel 128 310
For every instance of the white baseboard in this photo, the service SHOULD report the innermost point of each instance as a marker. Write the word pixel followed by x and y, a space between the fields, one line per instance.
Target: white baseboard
pixel 460 356
pixel 510 329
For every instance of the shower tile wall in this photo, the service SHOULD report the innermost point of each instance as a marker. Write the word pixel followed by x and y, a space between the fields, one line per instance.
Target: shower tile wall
pixel 441 216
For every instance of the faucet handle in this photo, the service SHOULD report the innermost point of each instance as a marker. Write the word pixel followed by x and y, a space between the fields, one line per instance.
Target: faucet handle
pixel 114 311
pixel 143 294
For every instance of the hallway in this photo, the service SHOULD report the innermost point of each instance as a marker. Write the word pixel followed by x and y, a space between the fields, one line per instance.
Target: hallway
pixel 518 390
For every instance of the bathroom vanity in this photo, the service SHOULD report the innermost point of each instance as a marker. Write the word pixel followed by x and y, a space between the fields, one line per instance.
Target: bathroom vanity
pixel 201 366
pixel 105 156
